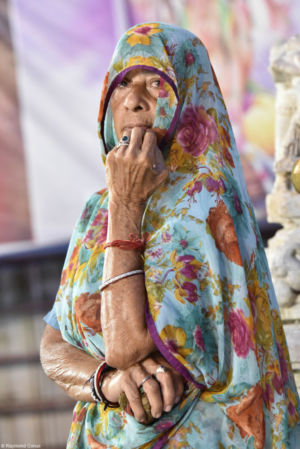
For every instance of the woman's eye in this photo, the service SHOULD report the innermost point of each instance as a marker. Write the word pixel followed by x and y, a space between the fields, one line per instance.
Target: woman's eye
pixel 156 83
pixel 123 83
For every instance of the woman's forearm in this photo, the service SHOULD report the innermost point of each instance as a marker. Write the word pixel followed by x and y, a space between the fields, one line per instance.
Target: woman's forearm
pixel 67 366
pixel 125 333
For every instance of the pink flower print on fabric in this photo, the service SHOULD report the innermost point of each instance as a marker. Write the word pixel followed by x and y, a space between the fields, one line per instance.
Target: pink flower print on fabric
pixel 282 363
pixel 183 243
pixel 191 291
pixel 189 59
pixel 240 333
pixel 237 203
pixel 166 237
pixel 199 338
pixel 99 222
pixel 277 383
pixel 197 187
pixel 188 270
pixel 156 253
pixel 268 395
pixel 197 130
pixel 143 30
pixel 162 426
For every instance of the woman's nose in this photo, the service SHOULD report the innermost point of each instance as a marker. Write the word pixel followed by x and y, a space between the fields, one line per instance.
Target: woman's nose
pixel 136 99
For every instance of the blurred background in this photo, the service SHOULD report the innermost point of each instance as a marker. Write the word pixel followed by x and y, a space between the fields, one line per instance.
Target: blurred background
pixel 53 58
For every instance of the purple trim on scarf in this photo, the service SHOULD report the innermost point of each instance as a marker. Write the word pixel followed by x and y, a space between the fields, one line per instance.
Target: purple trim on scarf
pixel 165 351
pixel 161 441
pixel 119 78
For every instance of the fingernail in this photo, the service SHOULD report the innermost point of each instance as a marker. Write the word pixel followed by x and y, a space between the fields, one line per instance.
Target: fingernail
pixel 158 415
pixel 177 399
pixel 168 408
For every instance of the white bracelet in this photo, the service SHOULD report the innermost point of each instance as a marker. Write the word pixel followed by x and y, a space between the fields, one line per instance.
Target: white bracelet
pixel 121 276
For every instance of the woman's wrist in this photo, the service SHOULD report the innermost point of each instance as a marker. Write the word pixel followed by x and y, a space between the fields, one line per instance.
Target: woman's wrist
pixel 124 219
pixel 109 388
pixel 134 207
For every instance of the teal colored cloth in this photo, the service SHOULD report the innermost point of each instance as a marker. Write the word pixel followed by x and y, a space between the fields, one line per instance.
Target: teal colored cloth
pixel 211 308
pixel 51 319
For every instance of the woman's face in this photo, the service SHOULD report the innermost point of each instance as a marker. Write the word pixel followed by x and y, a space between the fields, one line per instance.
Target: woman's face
pixel 133 101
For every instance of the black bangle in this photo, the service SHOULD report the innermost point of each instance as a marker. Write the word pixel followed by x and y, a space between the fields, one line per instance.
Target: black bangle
pixel 100 382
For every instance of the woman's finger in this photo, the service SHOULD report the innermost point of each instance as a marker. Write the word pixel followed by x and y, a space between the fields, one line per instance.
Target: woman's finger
pixel 153 392
pixel 136 141
pixel 168 389
pixel 121 149
pixel 133 395
pixel 149 146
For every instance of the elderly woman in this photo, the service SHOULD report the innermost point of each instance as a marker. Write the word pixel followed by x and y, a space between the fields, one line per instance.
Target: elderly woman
pixel 167 328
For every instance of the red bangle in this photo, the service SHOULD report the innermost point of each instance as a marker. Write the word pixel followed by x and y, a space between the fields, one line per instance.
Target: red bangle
pixel 133 243
pixel 99 380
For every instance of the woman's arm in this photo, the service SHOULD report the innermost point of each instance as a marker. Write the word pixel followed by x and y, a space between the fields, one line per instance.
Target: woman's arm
pixel 127 339
pixel 131 179
pixel 70 367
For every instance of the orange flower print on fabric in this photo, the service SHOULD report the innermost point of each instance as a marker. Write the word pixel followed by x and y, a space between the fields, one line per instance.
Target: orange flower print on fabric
pixel 104 91
pixel 197 130
pixel 69 271
pixel 141 34
pixel 94 444
pixel 87 310
pixel 223 232
pixel 248 415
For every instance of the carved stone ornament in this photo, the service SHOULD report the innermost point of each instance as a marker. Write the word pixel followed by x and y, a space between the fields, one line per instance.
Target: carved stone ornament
pixel 283 204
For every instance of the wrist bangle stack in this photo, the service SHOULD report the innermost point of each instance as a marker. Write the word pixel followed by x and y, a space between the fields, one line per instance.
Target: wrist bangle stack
pixel 96 381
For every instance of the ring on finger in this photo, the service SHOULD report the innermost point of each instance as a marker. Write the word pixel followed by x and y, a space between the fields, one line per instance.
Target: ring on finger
pixel 161 369
pixel 123 141
pixel 145 379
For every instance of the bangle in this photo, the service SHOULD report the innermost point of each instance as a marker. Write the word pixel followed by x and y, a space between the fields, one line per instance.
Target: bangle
pixel 133 243
pixel 94 391
pixel 120 276
pixel 98 380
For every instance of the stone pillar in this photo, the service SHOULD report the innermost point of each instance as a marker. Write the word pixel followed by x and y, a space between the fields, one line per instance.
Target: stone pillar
pixel 283 203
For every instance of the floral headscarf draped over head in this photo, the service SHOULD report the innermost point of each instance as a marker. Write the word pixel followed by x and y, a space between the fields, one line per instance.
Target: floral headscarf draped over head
pixel 211 308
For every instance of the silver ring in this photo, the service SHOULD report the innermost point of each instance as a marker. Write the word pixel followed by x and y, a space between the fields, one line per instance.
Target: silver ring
pixel 145 379
pixel 123 141
pixel 161 369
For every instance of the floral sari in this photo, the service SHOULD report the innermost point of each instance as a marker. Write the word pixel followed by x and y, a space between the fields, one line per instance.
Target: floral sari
pixel 211 307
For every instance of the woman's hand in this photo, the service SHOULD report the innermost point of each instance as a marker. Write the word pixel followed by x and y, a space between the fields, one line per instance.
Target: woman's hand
pixel 134 171
pixel 163 391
